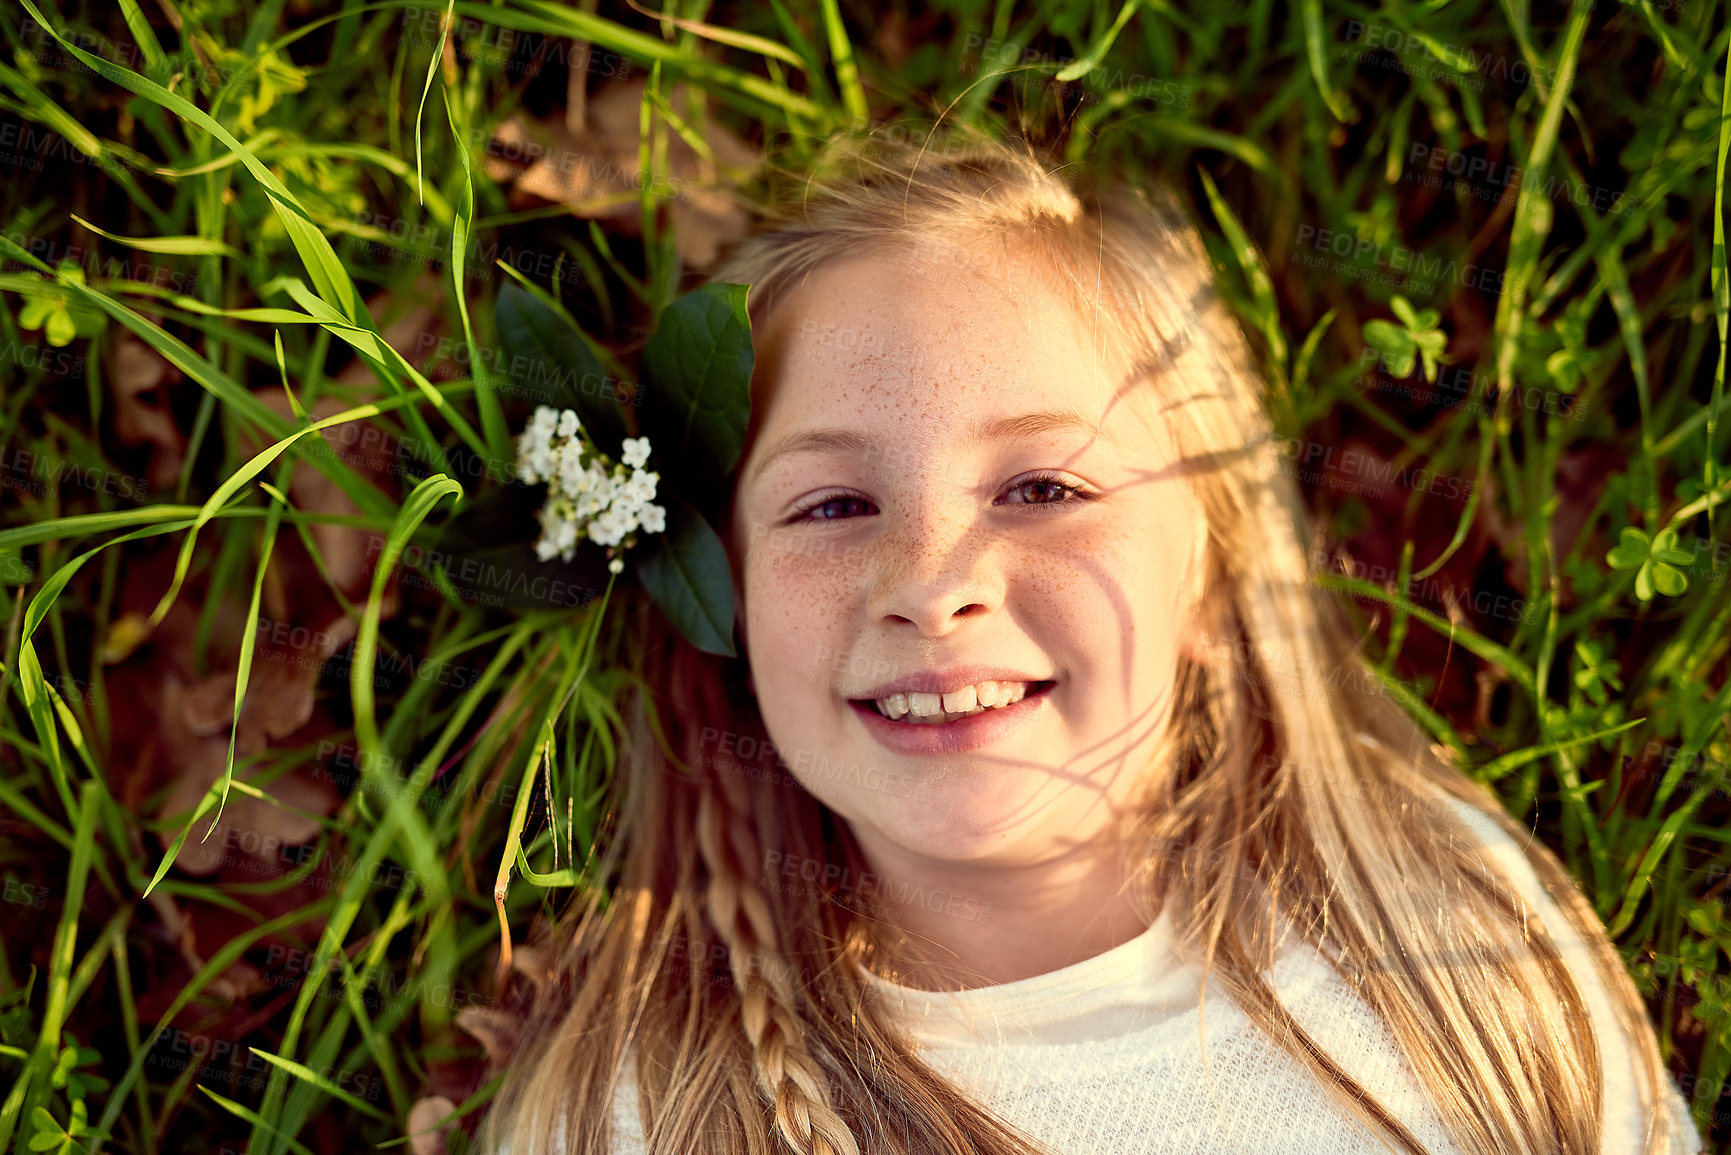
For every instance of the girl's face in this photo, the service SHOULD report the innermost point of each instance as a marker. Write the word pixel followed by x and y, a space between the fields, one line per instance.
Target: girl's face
pixel 947 483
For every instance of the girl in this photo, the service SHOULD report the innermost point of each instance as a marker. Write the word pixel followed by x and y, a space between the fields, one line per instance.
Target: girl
pixel 1040 729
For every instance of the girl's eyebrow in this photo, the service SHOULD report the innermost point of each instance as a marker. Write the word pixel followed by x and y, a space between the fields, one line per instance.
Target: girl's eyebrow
pixel 991 429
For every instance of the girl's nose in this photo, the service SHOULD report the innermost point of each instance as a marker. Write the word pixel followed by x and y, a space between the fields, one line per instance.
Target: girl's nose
pixel 934 568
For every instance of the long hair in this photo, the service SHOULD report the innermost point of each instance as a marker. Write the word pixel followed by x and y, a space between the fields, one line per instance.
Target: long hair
pixel 1290 796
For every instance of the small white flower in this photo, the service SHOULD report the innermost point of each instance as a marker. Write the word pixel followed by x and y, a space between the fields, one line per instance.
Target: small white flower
pixel 636 452
pixel 570 473
pixel 588 495
pixel 641 487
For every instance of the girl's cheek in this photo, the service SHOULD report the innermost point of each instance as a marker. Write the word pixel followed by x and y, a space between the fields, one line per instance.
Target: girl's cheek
pixel 798 591
pixel 806 560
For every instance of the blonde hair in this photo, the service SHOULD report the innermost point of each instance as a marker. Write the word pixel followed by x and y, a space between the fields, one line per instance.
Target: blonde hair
pixel 1281 804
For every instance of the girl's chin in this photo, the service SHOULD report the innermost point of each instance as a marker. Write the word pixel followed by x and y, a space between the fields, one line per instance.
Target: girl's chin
pixel 958 817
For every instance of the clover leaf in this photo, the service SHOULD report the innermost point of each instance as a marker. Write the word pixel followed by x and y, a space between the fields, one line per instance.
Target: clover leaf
pixel 1595 671
pixel 50 1136
pixel 63 317
pixel 1415 337
pixel 66 1074
pixel 1654 560
pixel 1567 365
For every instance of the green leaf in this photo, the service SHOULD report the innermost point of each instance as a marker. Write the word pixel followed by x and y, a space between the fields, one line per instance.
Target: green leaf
pixel 241 1111
pixel 48 1134
pixel 1665 549
pixel 1498 768
pixel 698 366
pixel 1417 333
pixel 177 245
pixel 1669 580
pixel 36 312
pixel 1630 551
pixel 61 329
pixel 1394 343
pixel 330 277
pixel 486 399
pixel 306 1074
pixel 1091 59
pixel 552 364
pixel 1430 344
pixel 846 67
pixel 688 575
pixel 1565 369
pixel 1254 268
pixel 1316 51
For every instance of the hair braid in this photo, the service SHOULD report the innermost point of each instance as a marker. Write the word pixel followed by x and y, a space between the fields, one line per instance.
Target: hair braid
pixel 788 1077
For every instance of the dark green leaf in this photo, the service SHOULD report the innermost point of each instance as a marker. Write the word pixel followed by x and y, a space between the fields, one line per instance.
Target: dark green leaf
pixel 698 367
pixel 549 363
pixel 685 570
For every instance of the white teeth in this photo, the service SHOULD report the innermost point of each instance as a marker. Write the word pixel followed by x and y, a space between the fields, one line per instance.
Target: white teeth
pixel 924 704
pixel 930 709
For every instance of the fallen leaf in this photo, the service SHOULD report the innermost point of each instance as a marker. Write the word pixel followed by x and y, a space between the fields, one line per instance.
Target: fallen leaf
pixel 596 173
pixel 499 1028
pixel 425 1115
pixel 139 379
pixel 248 826
pixel 171 723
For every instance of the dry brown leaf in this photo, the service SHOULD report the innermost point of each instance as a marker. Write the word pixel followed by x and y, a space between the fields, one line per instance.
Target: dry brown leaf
pixel 497 1031
pixel 499 1027
pixel 171 724
pixel 139 378
pixel 247 825
pixel 176 722
pixel 596 172
pixel 425 1115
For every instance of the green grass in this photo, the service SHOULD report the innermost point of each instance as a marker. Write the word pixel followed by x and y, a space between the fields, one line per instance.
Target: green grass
pixel 1535 543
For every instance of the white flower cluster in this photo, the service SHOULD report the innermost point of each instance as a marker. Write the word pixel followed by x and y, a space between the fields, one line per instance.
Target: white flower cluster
pixel 587 494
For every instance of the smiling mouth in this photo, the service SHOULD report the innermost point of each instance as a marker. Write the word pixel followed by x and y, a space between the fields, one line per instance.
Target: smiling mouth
pixel 930 709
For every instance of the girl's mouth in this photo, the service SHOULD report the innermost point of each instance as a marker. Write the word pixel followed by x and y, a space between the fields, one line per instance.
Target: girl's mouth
pixel 925 728
pixel 940 710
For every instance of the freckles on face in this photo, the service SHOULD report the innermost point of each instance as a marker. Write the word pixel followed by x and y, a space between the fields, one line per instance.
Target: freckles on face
pixel 942 474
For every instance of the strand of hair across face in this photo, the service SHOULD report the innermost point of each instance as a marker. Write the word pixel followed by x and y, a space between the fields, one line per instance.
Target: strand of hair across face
pixel 788 1077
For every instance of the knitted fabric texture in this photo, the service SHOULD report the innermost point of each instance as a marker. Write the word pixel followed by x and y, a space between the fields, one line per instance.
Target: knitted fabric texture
pixel 1107 1057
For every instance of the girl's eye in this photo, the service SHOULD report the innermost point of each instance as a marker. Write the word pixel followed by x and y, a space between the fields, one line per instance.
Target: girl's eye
pixel 1044 489
pixel 1048 489
pixel 825 509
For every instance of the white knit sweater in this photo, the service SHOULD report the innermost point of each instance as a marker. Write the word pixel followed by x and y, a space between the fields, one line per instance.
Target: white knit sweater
pixel 1106 1057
